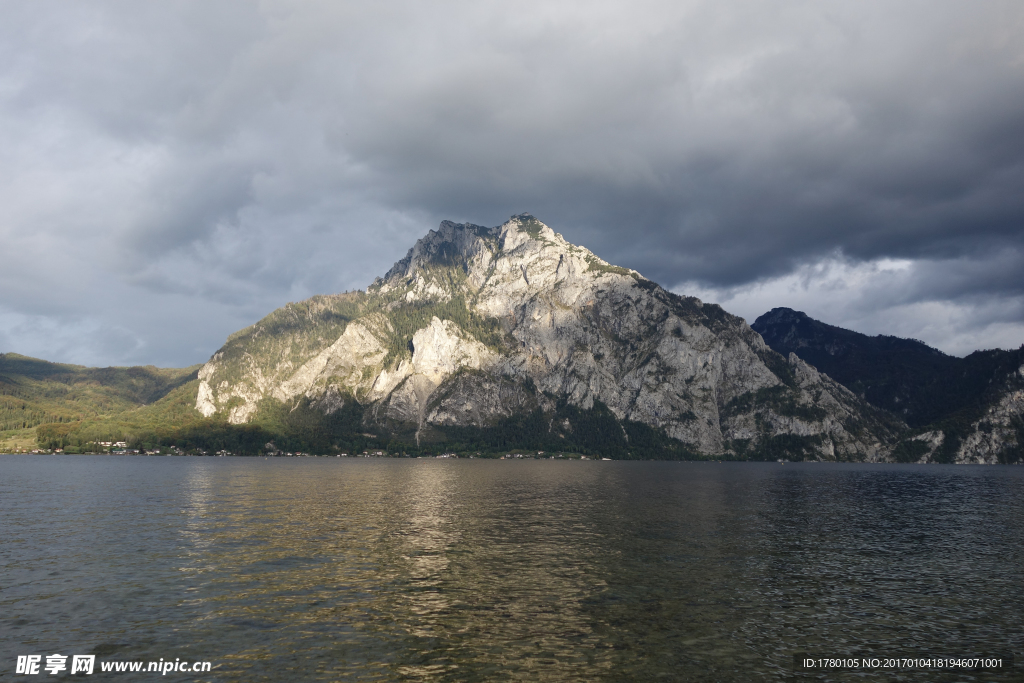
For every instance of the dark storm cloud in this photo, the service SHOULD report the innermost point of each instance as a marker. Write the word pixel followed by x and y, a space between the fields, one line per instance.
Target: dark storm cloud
pixel 178 170
pixel 804 142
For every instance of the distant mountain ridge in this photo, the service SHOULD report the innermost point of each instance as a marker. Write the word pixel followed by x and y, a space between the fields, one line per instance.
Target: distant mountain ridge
pixel 483 340
pixel 951 400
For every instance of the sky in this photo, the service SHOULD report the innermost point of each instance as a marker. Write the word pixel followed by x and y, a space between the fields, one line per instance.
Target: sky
pixel 172 172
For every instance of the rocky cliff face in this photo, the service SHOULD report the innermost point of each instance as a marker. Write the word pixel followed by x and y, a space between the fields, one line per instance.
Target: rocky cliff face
pixel 477 325
pixel 997 436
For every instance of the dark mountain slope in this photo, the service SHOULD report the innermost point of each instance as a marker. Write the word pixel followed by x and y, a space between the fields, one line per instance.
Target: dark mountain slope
pixel 965 408
pixel 907 377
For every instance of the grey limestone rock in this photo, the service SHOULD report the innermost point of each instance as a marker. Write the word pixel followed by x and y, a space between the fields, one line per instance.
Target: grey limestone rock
pixel 997 436
pixel 478 324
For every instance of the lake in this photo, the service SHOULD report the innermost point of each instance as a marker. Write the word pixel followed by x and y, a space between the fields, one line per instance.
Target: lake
pixel 307 569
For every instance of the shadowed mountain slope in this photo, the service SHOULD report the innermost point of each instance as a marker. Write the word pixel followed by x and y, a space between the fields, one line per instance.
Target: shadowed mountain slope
pixel 952 399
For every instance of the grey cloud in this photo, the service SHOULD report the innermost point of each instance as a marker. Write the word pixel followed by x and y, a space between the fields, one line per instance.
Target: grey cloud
pixel 938 302
pixel 231 156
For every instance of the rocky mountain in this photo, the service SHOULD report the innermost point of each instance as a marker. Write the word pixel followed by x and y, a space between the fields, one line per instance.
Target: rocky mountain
pixel 963 409
pixel 493 337
pixel 994 435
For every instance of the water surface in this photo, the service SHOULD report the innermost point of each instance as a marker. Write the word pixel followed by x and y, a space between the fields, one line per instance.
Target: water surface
pixel 473 570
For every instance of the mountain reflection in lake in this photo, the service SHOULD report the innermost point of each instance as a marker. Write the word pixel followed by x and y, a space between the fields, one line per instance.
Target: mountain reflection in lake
pixel 473 570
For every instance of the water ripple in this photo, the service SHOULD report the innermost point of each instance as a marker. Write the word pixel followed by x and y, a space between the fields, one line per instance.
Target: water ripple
pixel 335 569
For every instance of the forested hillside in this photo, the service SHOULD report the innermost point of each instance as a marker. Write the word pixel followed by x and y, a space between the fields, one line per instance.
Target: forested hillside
pixel 905 376
pixel 35 392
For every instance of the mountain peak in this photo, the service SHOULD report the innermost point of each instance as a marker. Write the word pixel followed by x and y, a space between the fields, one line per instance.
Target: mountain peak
pixel 781 315
pixel 481 329
pixel 470 253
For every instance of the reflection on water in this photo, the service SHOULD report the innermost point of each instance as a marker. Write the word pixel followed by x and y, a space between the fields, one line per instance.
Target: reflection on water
pixel 432 570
